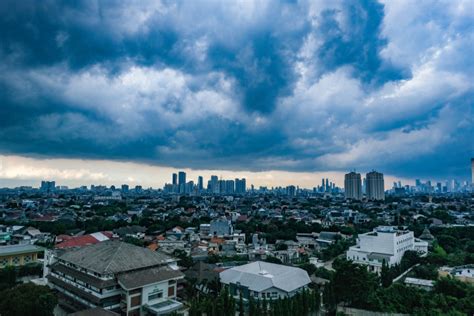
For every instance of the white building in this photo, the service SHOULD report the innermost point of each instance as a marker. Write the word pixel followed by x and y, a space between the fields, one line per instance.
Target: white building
pixel 264 280
pixel 385 243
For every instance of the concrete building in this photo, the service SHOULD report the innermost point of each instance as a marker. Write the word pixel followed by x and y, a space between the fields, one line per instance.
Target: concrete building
pixel 117 276
pixel 384 243
pixel 353 186
pixel 240 186
pixel 221 227
pixel 263 280
pixel 19 255
pixel 375 186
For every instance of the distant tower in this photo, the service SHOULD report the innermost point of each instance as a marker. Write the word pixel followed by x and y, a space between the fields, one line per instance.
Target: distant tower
pixel 182 181
pixel 353 186
pixel 175 179
pixel 375 186
pixel 472 173
pixel 200 183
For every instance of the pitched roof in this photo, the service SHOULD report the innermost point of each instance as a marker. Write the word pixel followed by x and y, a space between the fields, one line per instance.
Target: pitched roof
pixel 139 278
pixel 85 240
pixel 114 257
pixel 259 276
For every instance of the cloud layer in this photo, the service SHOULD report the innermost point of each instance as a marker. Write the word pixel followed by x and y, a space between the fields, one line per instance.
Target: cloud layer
pixel 292 86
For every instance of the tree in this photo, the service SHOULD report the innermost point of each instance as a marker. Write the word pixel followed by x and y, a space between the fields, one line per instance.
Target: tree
pixel 28 299
pixel 241 305
pixel 385 275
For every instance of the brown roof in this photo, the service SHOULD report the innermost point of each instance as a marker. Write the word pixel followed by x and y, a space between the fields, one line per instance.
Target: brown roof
pixel 134 279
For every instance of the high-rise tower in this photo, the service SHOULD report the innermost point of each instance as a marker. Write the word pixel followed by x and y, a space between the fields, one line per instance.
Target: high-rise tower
pixel 375 186
pixel 353 186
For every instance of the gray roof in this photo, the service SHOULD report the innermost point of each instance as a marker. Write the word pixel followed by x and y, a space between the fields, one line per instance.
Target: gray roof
pixel 19 249
pixel 134 279
pixel 114 257
pixel 259 276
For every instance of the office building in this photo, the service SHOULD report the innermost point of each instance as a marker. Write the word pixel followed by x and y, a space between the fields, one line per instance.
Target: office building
pixel 353 186
pixel 214 184
pixel 48 186
pixel 221 186
pixel 240 186
pixel 175 179
pixel 182 182
pixel 384 244
pixel 291 190
pixel 200 184
pixel 264 281
pixel 375 186
pixel 229 186
pixel 117 276
pixel 472 172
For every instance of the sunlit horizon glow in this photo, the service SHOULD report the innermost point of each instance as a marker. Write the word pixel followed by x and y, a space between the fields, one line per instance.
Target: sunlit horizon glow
pixel 25 171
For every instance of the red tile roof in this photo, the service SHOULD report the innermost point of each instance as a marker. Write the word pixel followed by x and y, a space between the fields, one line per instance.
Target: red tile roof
pixel 81 241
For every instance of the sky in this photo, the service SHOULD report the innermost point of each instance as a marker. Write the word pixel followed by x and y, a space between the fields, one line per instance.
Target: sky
pixel 278 91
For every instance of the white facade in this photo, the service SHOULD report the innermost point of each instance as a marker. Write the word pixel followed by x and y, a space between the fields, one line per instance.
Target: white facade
pixel 384 243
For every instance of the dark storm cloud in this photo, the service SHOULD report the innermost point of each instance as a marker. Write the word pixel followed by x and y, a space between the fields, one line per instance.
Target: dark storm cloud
pixel 241 85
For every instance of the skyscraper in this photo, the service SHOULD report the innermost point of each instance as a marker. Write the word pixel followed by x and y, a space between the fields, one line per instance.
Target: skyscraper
pixel 200 184
pixel 240 185
pixel 229 186
pixel 472 172
pixel 214 184
pixel 375 186
pixel 353 186
pixel 175 179
pixel 182 181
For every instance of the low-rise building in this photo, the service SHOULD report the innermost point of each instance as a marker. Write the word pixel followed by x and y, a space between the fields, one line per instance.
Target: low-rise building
pixel 264 280
pixel 384 243
pixel 19 255
pixel 117 276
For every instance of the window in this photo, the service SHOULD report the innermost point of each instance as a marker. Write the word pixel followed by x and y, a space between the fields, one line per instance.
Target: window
pixel 155 295
pixel 16 260
pixel 135 300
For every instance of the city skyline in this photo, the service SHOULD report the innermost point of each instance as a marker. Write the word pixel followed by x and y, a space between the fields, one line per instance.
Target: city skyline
pixel 86 173
pixel 270 89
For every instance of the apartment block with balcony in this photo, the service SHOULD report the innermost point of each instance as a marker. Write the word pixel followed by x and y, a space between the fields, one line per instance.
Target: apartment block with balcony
pixel 117 276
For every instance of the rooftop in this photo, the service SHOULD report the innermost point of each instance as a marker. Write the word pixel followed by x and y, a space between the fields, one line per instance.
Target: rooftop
pixel 141 278
pixel 259 276
pixel 114 257
pixel 18 249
